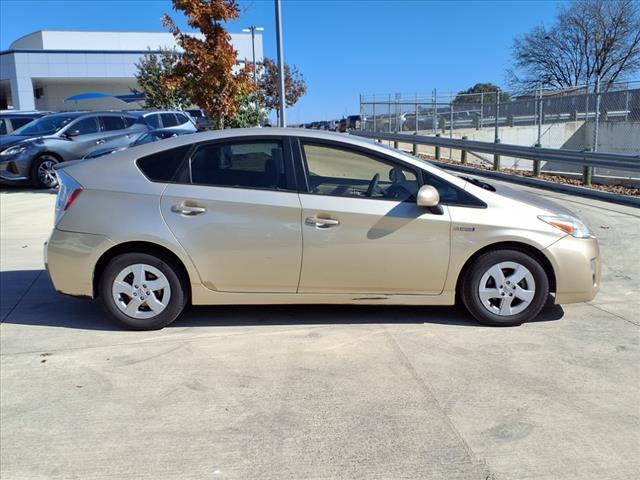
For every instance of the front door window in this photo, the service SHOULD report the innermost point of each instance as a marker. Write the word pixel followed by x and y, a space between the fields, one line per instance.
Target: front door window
pixel 346 173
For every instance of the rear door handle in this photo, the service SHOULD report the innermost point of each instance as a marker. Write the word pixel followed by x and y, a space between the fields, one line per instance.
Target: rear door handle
pixel 100 142
pixel 320 222
pixel 188 210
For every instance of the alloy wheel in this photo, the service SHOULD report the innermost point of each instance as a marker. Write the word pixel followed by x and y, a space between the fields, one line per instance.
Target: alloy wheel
pixel 46 174
pixel 141 291
pixel 507 288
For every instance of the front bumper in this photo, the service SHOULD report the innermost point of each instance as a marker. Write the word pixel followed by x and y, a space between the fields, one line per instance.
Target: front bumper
pixel 576 263
pixel 70 258
pixel 15 169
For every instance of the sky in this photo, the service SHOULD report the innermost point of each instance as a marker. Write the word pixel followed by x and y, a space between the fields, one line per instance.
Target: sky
pixel 343 48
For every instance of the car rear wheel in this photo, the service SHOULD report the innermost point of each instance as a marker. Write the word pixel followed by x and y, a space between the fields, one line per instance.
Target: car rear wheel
pixel 42 173
pixel 505 288
pixel 142 291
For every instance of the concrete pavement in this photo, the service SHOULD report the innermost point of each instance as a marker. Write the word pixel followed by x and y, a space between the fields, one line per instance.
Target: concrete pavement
pixel 318 391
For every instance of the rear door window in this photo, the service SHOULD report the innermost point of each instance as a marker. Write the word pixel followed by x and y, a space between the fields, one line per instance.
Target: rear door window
pixel 3 126
pixel 249 164
pixel 86 126
pixel 153 120
pixel 112 122
pixel 169 120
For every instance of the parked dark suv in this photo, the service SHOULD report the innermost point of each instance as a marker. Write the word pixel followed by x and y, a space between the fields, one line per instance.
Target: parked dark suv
pixel 29 154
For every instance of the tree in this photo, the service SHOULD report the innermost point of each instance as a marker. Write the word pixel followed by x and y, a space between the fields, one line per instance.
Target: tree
pixel 268 85
pixel 590 39
pixel 249 113
pixel 208 70
pixel 152 68
pixel 489 90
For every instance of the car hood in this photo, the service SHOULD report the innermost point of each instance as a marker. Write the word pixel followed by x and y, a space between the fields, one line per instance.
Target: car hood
pixel 532 200
pixel 9 140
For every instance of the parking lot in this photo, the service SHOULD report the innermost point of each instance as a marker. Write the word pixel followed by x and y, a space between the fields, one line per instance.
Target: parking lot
pixel 318 391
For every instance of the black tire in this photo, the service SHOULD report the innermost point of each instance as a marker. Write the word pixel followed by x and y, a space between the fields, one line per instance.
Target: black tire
pixel 178 291
pixel 471 284
pixel 46 181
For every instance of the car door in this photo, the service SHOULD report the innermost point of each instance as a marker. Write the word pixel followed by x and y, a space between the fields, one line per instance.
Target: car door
pixel 236 212
pixel 114 131
pixel 362 230
pixel 87 138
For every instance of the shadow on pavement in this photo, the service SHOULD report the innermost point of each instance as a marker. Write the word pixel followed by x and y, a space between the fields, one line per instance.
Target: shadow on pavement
pixel 30 299
pixel 26 189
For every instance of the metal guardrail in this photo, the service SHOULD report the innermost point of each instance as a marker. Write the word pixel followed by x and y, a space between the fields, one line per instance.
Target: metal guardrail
pixel 581 157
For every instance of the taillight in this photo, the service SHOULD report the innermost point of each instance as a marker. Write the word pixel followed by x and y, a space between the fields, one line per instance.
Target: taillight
pixel 67 194
pixel 71 198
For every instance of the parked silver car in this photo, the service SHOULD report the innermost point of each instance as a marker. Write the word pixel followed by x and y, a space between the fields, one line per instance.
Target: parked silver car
pixel 259 216
pixel 29 154
pixel 168 119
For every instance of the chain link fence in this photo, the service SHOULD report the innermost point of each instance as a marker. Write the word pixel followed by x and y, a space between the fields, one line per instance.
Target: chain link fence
pixel 608 121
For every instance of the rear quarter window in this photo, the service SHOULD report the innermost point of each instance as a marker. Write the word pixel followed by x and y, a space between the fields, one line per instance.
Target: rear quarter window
pixel 164 166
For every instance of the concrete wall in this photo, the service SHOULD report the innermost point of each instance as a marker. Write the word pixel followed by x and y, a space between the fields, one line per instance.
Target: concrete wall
pixel 613 136
pixel 553 136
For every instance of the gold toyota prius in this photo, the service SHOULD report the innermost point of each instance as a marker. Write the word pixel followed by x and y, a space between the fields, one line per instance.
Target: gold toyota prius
pixel 279 216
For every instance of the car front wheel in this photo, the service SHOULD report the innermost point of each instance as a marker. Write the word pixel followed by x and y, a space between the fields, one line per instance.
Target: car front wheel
pixel 42 173
pixel 505 288
pixel 142 291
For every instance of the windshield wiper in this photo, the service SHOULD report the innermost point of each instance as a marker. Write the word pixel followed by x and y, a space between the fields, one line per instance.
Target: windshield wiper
pixel 479 183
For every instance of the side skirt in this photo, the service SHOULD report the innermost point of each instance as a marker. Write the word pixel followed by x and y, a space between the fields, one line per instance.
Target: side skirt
pixel 201 295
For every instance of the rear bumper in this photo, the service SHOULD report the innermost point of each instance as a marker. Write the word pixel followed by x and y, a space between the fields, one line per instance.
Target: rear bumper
pixel 576 263
pixel 70 259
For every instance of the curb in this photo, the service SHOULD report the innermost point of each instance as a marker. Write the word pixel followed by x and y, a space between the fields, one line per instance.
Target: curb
pixel 536 182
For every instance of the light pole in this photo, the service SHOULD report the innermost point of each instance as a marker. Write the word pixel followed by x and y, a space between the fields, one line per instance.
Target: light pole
pixel 253 29
pixel 281 119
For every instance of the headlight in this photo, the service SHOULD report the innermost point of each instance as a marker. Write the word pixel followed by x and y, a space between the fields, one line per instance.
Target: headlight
pixel 15 150
pixel 567 224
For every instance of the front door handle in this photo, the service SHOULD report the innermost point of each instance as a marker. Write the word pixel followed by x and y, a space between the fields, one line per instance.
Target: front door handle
pixel 100 142
pixel 188 210
pixel 320 222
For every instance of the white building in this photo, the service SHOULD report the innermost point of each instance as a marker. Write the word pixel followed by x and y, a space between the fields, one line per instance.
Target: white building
pixel 42 69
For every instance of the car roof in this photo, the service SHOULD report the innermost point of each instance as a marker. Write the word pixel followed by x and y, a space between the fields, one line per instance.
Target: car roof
pixel 120 161
pixel 22 114
pixel 150 112
pixel 76 114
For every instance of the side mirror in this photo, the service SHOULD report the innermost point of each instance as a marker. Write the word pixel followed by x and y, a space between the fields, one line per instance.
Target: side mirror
pixel 428 196
pixel 72 133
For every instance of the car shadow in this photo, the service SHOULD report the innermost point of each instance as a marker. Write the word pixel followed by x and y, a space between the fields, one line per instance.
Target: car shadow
pixel 28 298
pixel 26 189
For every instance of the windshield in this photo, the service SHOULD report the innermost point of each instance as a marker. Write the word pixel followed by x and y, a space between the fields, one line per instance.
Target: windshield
pixel 44 126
